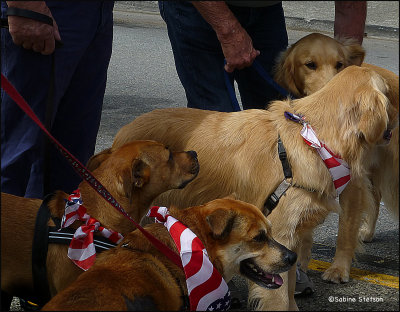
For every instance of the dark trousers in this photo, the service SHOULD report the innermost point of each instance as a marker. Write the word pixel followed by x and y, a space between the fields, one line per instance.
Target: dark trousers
pixel 199 59
pixel 86 29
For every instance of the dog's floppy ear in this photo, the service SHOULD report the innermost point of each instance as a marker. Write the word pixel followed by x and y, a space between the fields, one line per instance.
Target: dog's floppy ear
pixel 284 71
pixel 135 177
pixel 353 51
pixel 221 222
pixel 374 118
pixel 140 173
pixel 95 161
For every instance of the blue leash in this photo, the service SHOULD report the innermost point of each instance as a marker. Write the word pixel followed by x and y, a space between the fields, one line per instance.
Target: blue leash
pixel 261 71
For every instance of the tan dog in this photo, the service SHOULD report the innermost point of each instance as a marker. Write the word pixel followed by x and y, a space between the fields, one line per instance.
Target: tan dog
pixel 136 276
pixel 134 174
pixel 238 153
pixel 305 68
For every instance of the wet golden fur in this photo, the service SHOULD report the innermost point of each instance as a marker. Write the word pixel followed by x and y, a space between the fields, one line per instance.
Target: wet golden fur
pixel 134 174
pixel 136 276
pixel 238 153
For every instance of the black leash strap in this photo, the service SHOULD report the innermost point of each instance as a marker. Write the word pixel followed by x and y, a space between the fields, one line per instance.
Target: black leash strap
pixel 47 145
pixel 39 254
pixel 30 14
pixel 272 201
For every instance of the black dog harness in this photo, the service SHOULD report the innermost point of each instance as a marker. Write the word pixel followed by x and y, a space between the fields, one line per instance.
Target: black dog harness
pixel 45 235
pixel 272 201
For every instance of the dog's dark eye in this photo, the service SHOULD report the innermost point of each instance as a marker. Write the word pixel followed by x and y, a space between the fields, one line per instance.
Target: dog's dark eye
pixel 261 237
pixel 311 65
pixel 339 65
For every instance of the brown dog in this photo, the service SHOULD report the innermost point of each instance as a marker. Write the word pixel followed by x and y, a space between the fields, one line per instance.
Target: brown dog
pixel 136 276
pixel 134 174
pixel 305 68
pixel 238 153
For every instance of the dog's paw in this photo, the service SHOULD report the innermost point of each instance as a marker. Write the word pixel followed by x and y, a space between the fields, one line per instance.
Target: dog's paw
pixel 336 275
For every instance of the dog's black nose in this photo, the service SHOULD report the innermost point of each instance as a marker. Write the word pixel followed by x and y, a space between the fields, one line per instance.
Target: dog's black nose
pixel 290 257
pixel 193 154
pixel 387 135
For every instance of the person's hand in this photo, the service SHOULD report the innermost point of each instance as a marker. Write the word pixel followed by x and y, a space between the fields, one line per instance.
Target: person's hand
pixel 236 43
pixel 32 34
pixel 238 49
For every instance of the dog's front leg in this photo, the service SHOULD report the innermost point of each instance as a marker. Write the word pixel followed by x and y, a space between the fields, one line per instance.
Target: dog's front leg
pixel 367 229
pixel 353 201
pixel 304 252
pixel 292 287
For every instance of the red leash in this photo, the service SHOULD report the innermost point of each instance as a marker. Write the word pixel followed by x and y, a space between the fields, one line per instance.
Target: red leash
pixel 84 172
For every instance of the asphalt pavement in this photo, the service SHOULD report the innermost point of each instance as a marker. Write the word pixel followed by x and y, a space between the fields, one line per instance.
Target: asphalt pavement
pixel 142 77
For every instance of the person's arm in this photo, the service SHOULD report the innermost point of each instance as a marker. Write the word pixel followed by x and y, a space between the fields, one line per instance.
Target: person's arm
pixel 350 19
pixel 29 33
pixel 236 44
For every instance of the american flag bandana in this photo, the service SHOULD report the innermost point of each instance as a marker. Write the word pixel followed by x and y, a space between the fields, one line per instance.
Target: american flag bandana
pixel 207 289
pixel 81 249
pixel 338 168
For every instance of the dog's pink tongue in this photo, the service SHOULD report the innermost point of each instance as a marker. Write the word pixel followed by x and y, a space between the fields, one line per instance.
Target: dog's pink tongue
pixel 278 280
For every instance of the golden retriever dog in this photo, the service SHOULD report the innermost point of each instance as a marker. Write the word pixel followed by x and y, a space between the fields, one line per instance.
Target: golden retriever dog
pixel 307 65
pixel 137 276
pixel 238 153
pixel 134 174
pixel 305 68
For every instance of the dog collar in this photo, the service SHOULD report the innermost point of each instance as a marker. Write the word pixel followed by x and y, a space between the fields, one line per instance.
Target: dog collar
pixel 82 250
pixel 207 289
pixel 338 168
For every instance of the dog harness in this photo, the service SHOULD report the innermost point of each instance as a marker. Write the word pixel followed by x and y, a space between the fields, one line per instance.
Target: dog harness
pixel 81 249
pixel 338 168
pixel 272 201
pixel 45 235
pixel 207 289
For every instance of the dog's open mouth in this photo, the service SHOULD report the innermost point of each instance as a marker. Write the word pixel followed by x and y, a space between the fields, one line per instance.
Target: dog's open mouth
pixel 253 272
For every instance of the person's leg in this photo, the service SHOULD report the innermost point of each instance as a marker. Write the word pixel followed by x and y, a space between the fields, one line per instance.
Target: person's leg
pixel 267 28
pixel 21 138
pixel 350 19
pixel 198 56
pixel 77 119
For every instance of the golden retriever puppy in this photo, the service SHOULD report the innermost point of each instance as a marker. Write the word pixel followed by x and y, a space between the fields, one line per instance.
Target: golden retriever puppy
pixel 384 176
pixel 238 153
pixel 304 69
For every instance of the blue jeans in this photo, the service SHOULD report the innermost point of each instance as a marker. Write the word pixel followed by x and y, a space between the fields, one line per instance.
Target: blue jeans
pixel 86 29
pixel 199 59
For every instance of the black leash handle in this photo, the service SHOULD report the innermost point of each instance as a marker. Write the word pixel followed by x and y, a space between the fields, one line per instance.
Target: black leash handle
pixel 32 15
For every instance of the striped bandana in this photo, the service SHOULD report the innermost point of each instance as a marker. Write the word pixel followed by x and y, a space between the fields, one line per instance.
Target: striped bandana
pixel 81 249
pixel 207 289
pixel 338 168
